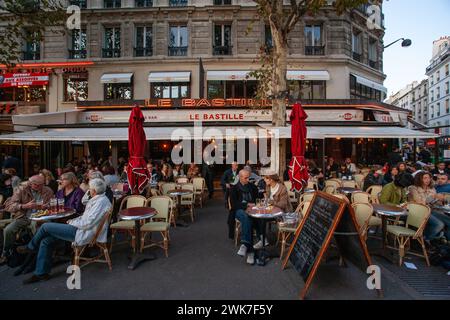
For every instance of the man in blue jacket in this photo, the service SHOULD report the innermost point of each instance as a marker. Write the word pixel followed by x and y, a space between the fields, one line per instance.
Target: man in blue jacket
pixel 442 185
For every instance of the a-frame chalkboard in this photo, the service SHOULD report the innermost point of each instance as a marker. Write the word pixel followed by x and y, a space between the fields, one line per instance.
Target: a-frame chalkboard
pixel 326 217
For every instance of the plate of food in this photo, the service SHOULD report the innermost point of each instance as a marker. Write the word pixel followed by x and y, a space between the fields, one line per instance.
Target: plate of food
pixel 40 214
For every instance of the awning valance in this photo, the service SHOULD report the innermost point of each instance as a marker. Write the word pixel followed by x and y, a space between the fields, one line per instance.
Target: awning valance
pixel 308 75
pixel 319 132
pixel 228 75
pixel 169 77
pixel 116 78
pixel 369 83
pixel 121 134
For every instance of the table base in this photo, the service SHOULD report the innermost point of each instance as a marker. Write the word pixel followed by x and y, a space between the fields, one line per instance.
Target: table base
pixel 263 256
pixel 137 258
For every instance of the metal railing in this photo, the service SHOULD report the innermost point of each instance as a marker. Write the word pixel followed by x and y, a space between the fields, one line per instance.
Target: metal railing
pixel 315 50
pixel 111 53
pixel 222 50
pixel 31 55
pixel 143 51
pixel 77 54
pixel 178 3
pixel 178 51
pixel 357 56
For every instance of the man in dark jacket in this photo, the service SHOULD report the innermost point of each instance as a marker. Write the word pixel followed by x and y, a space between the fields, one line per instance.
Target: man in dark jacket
pixel 243 195
pixel 395 157
pixel 208 175
pixel 228 179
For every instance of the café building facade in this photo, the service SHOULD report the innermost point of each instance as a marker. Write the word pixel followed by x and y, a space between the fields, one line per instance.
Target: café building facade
pixel 190 63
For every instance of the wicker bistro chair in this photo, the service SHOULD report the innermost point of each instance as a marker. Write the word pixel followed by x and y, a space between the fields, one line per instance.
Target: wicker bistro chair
pixel 417 218
pixel 349 184
pixel 359 179
pixel 335 183
pixel 159 223
pixel 285 231
pixel 293 199
pixel 188 200
pixel 128 226
pixel 182 180
pixel 330 189
pixel 199 190
pixel 312 185
pixel 360 197
pixel 363 214
pixel 307 197
pixel 374 191
pixel 165 187
pixel 103 247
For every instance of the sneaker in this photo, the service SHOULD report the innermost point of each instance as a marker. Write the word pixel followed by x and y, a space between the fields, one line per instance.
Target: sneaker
pixel 242 251
pixel 251 258
pixel 34 278
pixel 24 250
pixel 259 245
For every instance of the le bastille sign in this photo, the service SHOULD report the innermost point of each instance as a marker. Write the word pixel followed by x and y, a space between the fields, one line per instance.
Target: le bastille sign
pixel 207 103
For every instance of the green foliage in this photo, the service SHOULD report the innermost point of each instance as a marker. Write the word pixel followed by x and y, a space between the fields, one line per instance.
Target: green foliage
pixel 24 21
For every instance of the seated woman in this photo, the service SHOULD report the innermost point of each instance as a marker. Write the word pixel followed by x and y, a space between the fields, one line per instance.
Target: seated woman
pixel 394 193
pixel 193 171
pixel 80 230
pixel 50 180
pixel 166 173
pixel 277 192
pixel 178 171
pixel 423 192
pixel 70 192
pixel 390 176
pixel 344 172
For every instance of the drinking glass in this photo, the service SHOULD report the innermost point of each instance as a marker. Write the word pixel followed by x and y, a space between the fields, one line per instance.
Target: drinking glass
pixel 53 205
pixel 61 205
pixel 39 204
pixel 258 203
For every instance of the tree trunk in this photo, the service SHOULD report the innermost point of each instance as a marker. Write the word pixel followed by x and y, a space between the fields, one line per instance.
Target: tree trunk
pixel 278 91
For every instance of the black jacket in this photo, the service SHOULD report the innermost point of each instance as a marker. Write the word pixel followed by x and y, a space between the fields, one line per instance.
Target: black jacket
pixel 236 196
pixel 227 178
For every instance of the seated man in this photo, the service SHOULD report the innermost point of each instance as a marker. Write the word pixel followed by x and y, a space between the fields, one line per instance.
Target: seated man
pixel 80 230
pixel 20 205
pixel 243 195
pixel 442 185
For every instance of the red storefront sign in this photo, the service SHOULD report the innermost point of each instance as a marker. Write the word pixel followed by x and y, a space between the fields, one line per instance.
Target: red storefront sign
pixel 9 80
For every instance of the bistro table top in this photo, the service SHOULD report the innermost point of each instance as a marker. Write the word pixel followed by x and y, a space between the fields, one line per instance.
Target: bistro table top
pixel 347 190
pixel 137 213
pixel 179 192
pixel 263 213
pixel 389 210
pixel 60 215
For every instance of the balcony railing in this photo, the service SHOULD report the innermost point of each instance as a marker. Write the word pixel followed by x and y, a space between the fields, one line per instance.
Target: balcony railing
pixel 178 51
pixel 31 55
pixel 143 52
pixel 144 3
pixel 77 54
pixel 357 56
pixel 222 50
pixel 81 3
pixel 374 64
pixel 178 3
pixel 111 53
pixel 315 50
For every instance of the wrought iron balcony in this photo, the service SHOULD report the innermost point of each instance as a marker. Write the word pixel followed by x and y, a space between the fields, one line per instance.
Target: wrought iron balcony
pixel 374 64
pixel 178 51
pixel 111 53
pixel 222 50
pixel 144 3
pixel 357 56
pixel 143 51
pixel 81 3
pixel 31 55
pixel 77 54
pixel 315 50
pixel 178 3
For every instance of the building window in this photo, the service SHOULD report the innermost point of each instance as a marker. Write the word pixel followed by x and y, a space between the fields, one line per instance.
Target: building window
pixel 178 3
pixel 357 45
pixel 222 40
pixel 144 3
pixel 75 87
pixel 173 90
pixel 447 106
pixel 78 44
pixel 111 47
pixel 81 3
pixel 178 42
pixel 307 90
pixel 314 42
pixel 438 93
pixel 268 37
pixel 432 95
pixel 438 107
pixel 118 91
pixel 222 2
pixel 447 88
pixel 373 54
pixel 144 42
pixel 24 94
pixel 438 76
pixel 32 47
pixel 446 70
pixel 112 3
pixel 359 91
pixel 432 79
pixel 232 89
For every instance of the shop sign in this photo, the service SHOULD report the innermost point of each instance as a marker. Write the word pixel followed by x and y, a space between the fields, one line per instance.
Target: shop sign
pixel 383 117
pixel 431 142
pixel 24 79
pixel 206 103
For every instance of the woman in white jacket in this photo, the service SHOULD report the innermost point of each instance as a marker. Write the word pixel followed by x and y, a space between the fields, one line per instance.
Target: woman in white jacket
pixel 80 231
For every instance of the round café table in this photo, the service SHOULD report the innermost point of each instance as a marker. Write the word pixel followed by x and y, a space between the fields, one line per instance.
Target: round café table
pixel 264 215
pixel 137 215
pixel 179 193
pixel 68 212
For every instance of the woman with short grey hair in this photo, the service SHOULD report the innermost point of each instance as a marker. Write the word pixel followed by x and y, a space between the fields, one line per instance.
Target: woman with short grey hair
pixel 96 175
pixel 98 185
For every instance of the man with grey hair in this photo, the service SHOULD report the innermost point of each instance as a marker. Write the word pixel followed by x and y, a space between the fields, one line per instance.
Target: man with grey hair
pixel 80 230
pixel 97 175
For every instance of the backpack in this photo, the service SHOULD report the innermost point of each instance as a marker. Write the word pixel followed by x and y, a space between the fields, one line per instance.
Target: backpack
pixel 15 259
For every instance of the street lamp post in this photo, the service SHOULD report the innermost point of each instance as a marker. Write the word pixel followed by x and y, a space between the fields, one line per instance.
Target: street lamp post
pixel 405 43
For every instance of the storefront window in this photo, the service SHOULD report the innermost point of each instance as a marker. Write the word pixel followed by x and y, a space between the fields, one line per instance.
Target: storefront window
pixel 307 90
pixel 75 89
pixel 118 91
pixel 174 90
pixel 359 91
pixel 26 94
pixel 232 89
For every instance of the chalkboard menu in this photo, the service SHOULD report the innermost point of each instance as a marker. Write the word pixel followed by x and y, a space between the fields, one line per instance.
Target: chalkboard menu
pixel 313 233
pixel 327 217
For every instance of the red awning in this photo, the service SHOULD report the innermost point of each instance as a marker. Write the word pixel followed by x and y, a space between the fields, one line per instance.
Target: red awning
pixel 9 80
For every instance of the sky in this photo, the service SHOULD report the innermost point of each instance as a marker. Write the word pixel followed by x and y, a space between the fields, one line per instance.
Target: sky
pixel 422 21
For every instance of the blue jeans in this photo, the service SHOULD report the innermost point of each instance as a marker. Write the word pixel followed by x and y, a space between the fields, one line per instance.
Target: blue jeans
pixel 445 220
pixel 44 241
pixel 434 226
pixel 247 225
